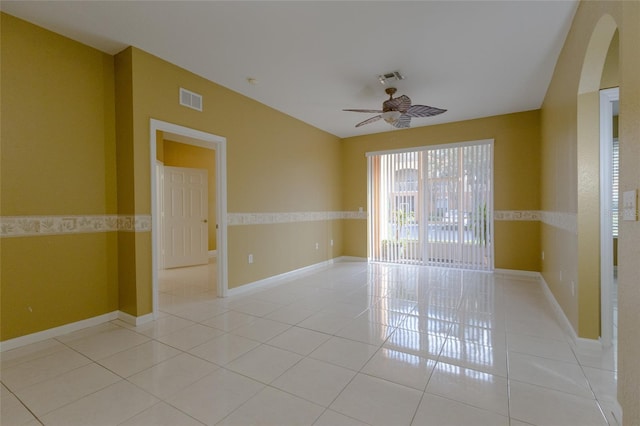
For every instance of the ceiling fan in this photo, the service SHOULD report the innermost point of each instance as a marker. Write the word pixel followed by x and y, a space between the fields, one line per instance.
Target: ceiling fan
pixel 398 111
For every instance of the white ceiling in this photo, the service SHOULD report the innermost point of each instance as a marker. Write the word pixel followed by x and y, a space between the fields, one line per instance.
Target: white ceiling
pixel 311 59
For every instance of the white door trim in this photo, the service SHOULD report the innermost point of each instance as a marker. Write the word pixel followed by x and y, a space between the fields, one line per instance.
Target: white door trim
pixel 160 203
pixel 607 97
pixel 203 140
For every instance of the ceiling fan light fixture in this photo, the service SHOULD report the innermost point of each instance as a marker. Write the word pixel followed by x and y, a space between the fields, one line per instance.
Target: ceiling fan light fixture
pixel 397 111
pixel 391 117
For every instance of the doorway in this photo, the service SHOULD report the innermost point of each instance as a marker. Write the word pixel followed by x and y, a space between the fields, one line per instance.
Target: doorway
pixel 609 172
pixel 204 140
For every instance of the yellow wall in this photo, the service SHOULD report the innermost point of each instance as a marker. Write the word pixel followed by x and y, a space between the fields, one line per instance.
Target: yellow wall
pixel 611 71
pixel 74 114
pixel 58 158
pixel 69 149
pixel 567 144
pixel 127 297
pixel 267 243
pixel 516 170
pixel 60 147
pixel 570 164
pixel 560 183
pixel 275 163
pixel 629 241
pixel 177 154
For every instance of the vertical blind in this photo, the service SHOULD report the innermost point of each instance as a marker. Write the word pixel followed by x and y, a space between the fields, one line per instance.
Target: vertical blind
pixel 614 183
pixel 432 206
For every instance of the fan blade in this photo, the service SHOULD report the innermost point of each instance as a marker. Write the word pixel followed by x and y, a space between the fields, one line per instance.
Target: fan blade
pixel 370 120
pixel 370 111
pixel 401 103
pixel 424 111
pixel 403 122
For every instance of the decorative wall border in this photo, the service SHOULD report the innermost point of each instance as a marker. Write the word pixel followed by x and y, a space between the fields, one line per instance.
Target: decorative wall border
pixel 135 223
pixel 565 221
pixel 516 215
pixel 235 219
pixel 29 226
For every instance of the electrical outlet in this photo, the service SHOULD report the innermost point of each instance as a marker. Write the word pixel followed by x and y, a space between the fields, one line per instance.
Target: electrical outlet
pixel 331 242
pixel 560 276
pixel 250 258
pixel 573 288
pixel 317 246
pixel 542 254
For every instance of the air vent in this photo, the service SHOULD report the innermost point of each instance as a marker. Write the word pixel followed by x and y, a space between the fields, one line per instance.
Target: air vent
pixel 390 77
pixel 190 99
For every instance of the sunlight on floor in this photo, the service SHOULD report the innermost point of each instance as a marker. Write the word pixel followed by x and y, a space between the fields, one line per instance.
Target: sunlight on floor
pixel 355 343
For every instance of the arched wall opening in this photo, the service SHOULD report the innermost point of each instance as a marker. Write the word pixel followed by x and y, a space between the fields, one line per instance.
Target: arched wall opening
pixel 588 182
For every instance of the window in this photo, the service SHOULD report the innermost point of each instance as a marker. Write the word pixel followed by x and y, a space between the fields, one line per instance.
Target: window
pixel 432 206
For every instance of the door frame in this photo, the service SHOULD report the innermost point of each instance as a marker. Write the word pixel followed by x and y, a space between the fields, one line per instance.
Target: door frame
pixel 203 140
pixel 607 97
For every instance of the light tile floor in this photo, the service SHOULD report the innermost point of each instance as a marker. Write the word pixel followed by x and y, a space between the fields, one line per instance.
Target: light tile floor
pixel 351 344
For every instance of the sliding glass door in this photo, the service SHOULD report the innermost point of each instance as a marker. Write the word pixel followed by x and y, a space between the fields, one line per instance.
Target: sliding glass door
pixel 432 206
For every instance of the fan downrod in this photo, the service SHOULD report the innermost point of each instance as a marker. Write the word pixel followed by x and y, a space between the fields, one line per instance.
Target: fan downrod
pixel 390 91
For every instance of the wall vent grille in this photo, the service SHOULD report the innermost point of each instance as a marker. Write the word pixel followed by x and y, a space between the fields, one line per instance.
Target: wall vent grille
pixel 190 99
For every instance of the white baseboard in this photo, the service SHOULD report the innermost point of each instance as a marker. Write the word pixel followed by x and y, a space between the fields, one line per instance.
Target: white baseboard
pixel 71 327
pixel 580 342
pixel 278 279
pixel 590 345
pixel 350 259
pixel 519 272
pixel 56 331
pixel 135 321
pixel 564 321
pixel 213 253
pixel 617 412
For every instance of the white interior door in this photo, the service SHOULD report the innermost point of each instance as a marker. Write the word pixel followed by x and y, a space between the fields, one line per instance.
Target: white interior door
pixel 185 217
